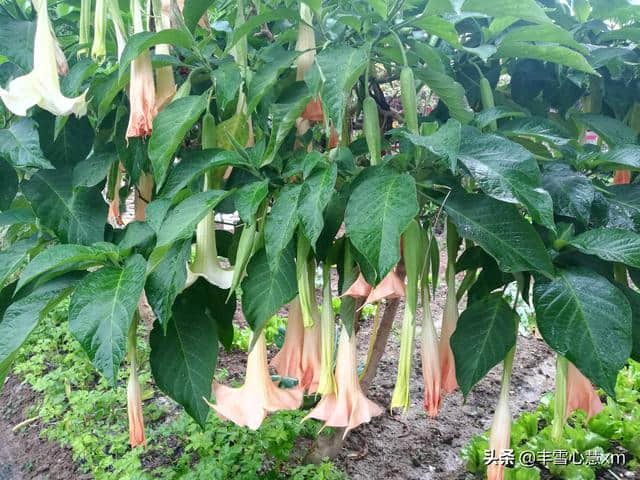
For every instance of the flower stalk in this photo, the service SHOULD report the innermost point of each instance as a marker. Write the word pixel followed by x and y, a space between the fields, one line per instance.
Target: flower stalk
pixel 560 404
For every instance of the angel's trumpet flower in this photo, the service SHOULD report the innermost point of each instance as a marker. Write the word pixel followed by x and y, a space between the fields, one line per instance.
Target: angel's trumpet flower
pixel 84 27
pixel 306 43
pixel 430 359
pixel 413 247
pixel 327 383
pixel 358 289
pixel 41 86
pixel 61 61
pixel 166 84
pixel 99 47
pixel 390 287
pixel 206 263
pixel 288 361
pixel 581 394
pixel 118 23
pixel 348 407
pixel 450 316
pixel 248 405
pixel 134 393
pixel 500 437
pixel 143 196
pixel 142 91
pixel 312 355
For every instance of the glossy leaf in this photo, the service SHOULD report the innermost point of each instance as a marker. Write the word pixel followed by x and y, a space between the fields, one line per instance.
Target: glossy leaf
pixel 548 53
pixel 612 244
pixel 314 196
pixel 281 223
pixel 248 199
pixel 275 60
pixel 141 42
pixel 613 131
pixel 449 91
pixel 523 9
pixel 20 145
pixel 572 192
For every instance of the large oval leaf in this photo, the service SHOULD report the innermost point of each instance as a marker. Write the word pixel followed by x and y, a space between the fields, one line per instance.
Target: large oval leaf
pixel 612 244
pixel 572 192
pixel 281 222
pixel 378 212
pixel 582 316
pixel 314 196
pixel 101 310
pixel 20 145
pixel 501 230
pixel 485 333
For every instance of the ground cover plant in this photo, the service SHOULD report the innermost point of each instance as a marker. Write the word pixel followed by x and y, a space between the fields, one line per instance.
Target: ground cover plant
pixel 203 157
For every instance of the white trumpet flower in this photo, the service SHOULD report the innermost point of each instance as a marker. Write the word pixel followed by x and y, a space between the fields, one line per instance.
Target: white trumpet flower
pixel 41 86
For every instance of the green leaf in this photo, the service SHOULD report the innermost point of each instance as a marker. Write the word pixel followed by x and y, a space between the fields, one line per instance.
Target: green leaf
pixel 248 199
pixel 76 216
pixel 281 223
pixel 613 131
pixel 93 170
pixel 194 164
pixel 103 91
pixel 8 184
pixel 181 221
pixel 20 145
pixel 380 7
pixel 485 333
pixel 634 301
pixel 136 234
pixel 169 129
pixel 141 42
pixel 227 83
pixel 378 212
pixel 16 41
pixel 12 258
pixel 548 33
pixel 547 53
pixel 501 230
pixel 275 60
pixel 101 310
pixel 23 315
pixel 254 22
pixel 167 280
pixel 449 91
pixel 572 192
pixel 193 11
pixel 265 289
pixel 507 171
pixel 439 27
pixel 624 206
pixel 284 115
pixel 183 359
pixel 68 147
pixel 340 68
pixel 60 259
pixel 536 128
pixel 620 157
pixel 17 215
pixel 612 244
pixel 314 197
pixel 523 9
pixel 586 319
pixel 486 117
pixel 445 142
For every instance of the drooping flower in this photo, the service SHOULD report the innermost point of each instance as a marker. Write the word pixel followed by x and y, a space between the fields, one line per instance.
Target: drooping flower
pixel 313 111
pixel 430 359
pixel 500 437
pixel 390 287
pixel 142 91
pixel 99 47
pixel 450 316
pixel 248 405
pixel 288 361
pixel 327 383
pixel 581 394
pixel 165 82
pixel 118 24
pixel 61 61
pixel 134 409
pixel 306 42
pixel 348 407
pixel 311 356
pixel 41 86
pixel 114 217
pixel 206 263
pixel 143 196
pixel 358 289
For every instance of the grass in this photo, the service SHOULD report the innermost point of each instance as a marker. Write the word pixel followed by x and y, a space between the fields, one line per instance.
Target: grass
pixel 79 409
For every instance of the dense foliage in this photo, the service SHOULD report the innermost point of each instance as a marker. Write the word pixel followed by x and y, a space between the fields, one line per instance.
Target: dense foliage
pixel 332 136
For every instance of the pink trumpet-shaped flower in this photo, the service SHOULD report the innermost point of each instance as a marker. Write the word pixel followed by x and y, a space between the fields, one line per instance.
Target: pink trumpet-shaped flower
pixel 390 287
pixel 500 437
pixel 248 405
pixel 358 289
pixel 430 362
pixel 581 394
pixel 349 407
pixel 288 361
pixel 142 91
pixel 449 323
pixel 166 84
pixel 311 356
pixel 134 409
pixel 622 177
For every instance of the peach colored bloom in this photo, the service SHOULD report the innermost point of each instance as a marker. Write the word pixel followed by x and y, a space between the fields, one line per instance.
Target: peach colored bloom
pixel 311 356
pixel 206 263
pixel 358 289
pixel 249 405
pixel 430 361
pixel 313 111
pixel 166 84
pixel 134 409
pixel 449 323
pixel 500 437
pixel 288 361
pixel 390 287
pixel 581 394
pixel 349 407
pixel 142 91
pixel 622 177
